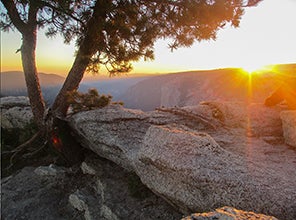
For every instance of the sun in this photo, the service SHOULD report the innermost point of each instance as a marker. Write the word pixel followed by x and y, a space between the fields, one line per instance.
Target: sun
pixel 251 68
pixel 257 69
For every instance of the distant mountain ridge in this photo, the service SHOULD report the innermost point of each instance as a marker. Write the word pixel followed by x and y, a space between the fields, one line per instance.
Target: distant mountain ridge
pixel 13 84
pixel 146 92
pixel 16 80
pixel 190 88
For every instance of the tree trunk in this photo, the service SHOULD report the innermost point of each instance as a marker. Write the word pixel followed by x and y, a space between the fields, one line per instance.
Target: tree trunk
pixel 31 77
pixel 88 47
pixel 29 33
pixel 72 82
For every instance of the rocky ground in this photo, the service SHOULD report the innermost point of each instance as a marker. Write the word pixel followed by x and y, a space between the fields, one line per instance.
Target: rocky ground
pixel 172 162
pixel 99 189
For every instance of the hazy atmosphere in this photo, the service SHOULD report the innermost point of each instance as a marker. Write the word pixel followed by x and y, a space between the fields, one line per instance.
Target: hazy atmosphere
pixel 266 36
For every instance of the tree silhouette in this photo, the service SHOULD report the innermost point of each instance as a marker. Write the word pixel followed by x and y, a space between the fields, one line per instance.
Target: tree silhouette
pixel 111 34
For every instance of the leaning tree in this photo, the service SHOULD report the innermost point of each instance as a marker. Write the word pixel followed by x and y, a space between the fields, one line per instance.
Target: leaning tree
pixel 110 34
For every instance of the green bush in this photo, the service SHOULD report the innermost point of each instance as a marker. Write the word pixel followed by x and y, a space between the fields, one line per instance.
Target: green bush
pixel 88 101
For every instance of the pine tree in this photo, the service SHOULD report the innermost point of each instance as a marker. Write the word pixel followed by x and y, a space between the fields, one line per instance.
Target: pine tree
pixel 110 34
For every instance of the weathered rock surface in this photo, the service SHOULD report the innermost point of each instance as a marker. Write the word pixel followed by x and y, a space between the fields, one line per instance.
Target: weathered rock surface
pixel 289 127
pixel 51 192
pixel 28 195
pixel 228 213
pixel 12 101
pixel 121 195
pixel 254 119
pixel 194 173
pixel 118 139
pixel 15 112
pixel 201 157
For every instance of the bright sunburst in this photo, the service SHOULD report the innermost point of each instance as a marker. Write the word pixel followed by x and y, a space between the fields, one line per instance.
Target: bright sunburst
pixel 253 69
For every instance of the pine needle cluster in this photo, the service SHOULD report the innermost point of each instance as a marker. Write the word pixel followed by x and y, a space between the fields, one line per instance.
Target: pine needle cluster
pixel 88 101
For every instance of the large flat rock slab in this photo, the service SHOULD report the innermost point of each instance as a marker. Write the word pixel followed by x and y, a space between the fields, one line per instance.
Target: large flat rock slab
pixel 193 172
pixel 202 157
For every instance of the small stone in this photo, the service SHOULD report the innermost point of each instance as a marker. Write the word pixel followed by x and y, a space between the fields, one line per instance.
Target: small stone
pixel 76 200
pixel 87 169
pixel 50 170
pixel 107 213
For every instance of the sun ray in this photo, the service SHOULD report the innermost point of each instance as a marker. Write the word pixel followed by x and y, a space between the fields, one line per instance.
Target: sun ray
pixel 253 69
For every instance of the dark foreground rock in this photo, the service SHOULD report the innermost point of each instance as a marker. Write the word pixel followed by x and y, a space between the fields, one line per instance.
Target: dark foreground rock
pixel 102 191
pixel 202 157
pixel 38 194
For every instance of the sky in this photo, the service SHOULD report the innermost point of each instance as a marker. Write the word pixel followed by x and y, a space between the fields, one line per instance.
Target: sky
pixel 266 36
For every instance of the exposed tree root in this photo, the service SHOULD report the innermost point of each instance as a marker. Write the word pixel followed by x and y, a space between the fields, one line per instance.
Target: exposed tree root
pixel 21 148
pixel 56 134
pixel 35 152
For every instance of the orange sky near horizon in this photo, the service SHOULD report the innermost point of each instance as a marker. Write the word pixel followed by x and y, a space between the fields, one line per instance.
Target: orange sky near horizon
pixel 266 35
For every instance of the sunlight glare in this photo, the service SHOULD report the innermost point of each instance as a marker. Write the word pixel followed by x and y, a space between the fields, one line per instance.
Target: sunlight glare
pixel 253 69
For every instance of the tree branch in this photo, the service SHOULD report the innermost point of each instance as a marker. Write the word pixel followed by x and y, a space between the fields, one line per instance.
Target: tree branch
pixel 14 15
pixel 46 4
pixel 32 16
pixel 252 3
